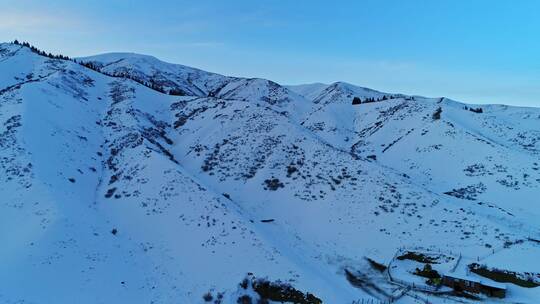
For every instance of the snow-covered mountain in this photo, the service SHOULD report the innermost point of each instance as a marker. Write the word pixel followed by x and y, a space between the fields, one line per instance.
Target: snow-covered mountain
pixel 186 81
pixel 114 191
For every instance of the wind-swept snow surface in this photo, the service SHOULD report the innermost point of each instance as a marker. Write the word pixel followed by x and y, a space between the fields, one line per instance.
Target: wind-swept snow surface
pixel 116 192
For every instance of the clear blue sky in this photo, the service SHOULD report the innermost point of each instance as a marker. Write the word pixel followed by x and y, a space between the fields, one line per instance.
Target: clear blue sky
pixel 473 51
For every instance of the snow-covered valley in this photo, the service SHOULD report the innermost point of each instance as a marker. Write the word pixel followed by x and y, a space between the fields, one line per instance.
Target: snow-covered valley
pixel 126 179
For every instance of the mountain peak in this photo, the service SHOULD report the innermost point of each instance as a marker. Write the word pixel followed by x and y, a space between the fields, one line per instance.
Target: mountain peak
pixel 116 56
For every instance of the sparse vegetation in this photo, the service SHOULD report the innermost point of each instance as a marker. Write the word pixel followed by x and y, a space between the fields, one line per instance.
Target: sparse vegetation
pixel 476 110
pixel 357 100
pixel 504 276
pixel 377 266
pixel 469 192
pixel 245 299
pixel 437 114
pixel 40 52
pixel 291 169
pixel 177 92
pixel 419 257
pixel 433 276
pixel 268 291
pixel 282 292
pixel 207 297
pixel 110 192
pixel 273 184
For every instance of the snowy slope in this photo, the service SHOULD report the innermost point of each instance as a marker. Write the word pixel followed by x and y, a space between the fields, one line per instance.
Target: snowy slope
pixel 309 91
pixel 114 191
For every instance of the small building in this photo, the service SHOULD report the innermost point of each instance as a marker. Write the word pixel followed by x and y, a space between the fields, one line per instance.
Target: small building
pixel 474 285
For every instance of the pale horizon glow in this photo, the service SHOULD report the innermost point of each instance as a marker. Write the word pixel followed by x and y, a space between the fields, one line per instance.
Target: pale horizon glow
pixel 470 51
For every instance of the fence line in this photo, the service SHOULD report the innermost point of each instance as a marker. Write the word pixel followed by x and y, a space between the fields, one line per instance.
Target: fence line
pixel 412 286
pixel 457 263
pixel 371 301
